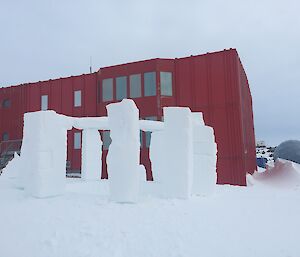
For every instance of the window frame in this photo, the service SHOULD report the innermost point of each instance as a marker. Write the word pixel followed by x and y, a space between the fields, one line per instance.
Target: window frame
pixel 77 141
pixel 6 103
pixel 164 87
pixel 145 84
pixel 77 98
pixel 112 90
pixel 137 87
pixel 43 97
pixel 5 136
pixel 105 137
pixel 120 87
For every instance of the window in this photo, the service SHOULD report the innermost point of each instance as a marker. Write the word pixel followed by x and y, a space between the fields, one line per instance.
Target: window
pixel 6 103
pixel 106 140
pixel 135 85
pixel 77 140
pixel 121 88
pixel 77 98
pixel 44 102
pixel 166 83
pixel 141 138
pixel 150 83
pixel 107 90
pixel 148 133
pixel 5 136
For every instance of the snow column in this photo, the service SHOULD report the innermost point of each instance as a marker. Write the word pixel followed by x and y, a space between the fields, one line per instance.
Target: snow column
pixel 205 157
pixel 171 154
pixel 91 154
pixel 123 157
pixel 43 153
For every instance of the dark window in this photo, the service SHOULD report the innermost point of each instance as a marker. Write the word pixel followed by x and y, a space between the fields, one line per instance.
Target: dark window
pixel 166 83
pixel 121 88
pixel 141 138
pixel 106 139
pixel 5 136
pixel 150 83
pixel 107 90
pixel 135 85
pixel 6 103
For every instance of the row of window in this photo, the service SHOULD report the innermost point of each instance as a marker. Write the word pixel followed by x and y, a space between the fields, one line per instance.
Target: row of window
pixel 76 97
pixel 135 86
pixel 107 140
pixel 135 89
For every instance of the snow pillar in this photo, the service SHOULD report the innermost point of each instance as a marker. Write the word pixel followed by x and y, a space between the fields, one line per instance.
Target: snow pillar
pixel 205 157
pixel 91 164
pixel 123 159
pixel 171 154
pixel 44 153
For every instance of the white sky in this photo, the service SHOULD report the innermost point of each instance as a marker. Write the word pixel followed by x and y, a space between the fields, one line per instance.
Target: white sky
pixel 47 39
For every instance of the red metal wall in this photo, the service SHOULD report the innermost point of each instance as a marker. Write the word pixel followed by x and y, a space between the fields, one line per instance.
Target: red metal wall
pixel 213 83
pixel 216 85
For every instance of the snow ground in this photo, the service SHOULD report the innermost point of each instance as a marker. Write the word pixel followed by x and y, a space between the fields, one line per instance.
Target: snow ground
pixel 237 221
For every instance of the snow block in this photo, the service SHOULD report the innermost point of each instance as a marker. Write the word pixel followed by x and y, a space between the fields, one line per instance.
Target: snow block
pixel 43 153
pixel 204 158
pixel 91 153
pixel 123 159
pixel 171 154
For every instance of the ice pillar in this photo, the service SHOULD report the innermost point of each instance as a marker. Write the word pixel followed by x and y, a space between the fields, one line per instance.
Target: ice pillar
pixel 123 157
pixel 91 154
pixel 171 154
pixel 205 157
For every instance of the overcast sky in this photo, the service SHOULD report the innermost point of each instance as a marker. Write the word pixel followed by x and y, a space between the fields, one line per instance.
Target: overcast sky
pixel 47 39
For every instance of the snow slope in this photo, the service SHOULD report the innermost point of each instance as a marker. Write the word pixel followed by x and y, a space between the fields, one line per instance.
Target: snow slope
pixel 236 221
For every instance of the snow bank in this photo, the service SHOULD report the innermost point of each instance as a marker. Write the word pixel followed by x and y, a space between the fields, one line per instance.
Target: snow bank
pixel 123 159
pixel 171 154
pixel 284 174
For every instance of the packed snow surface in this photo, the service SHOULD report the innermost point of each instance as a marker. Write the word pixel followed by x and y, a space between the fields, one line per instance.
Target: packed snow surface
pixel 236 221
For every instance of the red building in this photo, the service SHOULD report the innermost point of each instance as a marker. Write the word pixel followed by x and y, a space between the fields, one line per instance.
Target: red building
pixel 213 83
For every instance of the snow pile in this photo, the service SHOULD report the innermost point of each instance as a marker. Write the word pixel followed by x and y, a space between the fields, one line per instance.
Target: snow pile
pixel 205 157
pixel 171 154
pixel 12 168
pixel 123 159
pixel 284 174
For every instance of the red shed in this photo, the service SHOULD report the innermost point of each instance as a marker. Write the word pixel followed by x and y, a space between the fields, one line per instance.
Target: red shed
pixel 213 83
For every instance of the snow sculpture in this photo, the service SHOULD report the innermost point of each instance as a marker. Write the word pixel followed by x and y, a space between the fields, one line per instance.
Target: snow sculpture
pixel 171 154
pixel 205 157
pixel 123 159
pixel 43 153
pixel 182 152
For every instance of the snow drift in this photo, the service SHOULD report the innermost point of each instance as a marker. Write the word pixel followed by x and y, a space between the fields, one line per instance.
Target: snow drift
pixel 283 174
